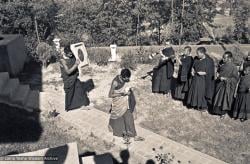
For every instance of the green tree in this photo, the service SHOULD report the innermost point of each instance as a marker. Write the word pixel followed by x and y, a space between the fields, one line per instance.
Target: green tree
pixel 77 21
pixel 113 24
pixel 241 14
pixel 158 14
pixel 22 17
pixel 192 16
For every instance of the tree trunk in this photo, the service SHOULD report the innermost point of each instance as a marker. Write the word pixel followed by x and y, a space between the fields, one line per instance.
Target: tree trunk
pixel 159 33
pixel 172 11
pixel 37 34
pixel 182 13
pixel 137 29
pixel 111 41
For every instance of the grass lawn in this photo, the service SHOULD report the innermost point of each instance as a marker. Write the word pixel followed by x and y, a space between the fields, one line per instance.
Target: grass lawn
pixel 226 139
pixel 226 20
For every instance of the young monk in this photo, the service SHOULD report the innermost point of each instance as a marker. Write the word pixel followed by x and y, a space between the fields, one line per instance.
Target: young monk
pixel 225 85
pixel 75 94
pixel 245 62
pixel 121 121
pixel 163 73
pixel 201 90
pixel 184 74
pixel 242 103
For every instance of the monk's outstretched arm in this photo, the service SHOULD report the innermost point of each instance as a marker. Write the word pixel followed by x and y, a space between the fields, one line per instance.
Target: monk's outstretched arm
pixel 241 66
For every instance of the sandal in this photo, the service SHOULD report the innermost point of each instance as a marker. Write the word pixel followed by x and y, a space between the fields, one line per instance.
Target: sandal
pixel 242 119
pixel 138 138
pixel 222 116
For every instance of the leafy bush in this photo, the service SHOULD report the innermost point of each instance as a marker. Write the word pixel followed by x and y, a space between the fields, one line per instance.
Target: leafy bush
pixel 142 55
pixel 32 19
pixel 238 55
pixel 99 56
pixel 129 61
pixel 163 157
pixel 135 56
pixel 44 53
pixel 241 15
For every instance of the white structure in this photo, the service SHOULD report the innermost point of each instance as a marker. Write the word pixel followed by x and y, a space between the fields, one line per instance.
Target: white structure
pixel 113 52
pixel 57 43
pixel 227 12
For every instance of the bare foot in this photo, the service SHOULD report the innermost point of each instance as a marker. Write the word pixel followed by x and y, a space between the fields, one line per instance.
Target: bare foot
pixel 85 108
pixel 138 138
pixel 243 120
pixel 222 116
pixel 89 107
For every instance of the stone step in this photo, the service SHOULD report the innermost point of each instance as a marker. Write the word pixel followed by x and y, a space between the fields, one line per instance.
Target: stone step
pixel 33 100
pixel 21 95
pixel 4 77
pixel 97 159
pixel 9 89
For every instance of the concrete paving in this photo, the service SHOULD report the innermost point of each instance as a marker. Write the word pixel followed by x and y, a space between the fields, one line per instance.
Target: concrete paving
pixel 96 122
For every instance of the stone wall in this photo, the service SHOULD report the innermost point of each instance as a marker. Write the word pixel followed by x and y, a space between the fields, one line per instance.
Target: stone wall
pixel 212 49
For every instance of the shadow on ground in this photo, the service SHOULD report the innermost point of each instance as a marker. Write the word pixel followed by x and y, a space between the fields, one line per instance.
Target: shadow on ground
pixel 59 152
pixel 108 158
pixel 16 123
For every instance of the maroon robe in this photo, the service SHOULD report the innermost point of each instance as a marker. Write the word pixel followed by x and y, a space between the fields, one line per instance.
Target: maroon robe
pixel 224 91
pixel 202 86
pixel 242 102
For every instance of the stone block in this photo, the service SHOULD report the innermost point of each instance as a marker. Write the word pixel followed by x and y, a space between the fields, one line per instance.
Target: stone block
pixel 21 95
pixel 4 77
pixel 33 100
pixel 12 54
pixel 9 90
pixel 98 159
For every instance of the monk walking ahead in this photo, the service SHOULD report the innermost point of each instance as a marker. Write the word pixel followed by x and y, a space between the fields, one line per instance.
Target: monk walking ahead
pixel 75 92
pixel 123 104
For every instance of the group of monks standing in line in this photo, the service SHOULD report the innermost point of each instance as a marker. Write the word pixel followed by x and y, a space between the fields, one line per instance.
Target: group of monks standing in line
pixel 199 84
pixel 220 89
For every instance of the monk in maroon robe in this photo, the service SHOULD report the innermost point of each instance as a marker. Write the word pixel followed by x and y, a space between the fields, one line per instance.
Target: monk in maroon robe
pixel 202 86
pixel 121 121
pixel 163 73
pixel 225 85
pixel 75 92
pixel 242 102
pixel 184 74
